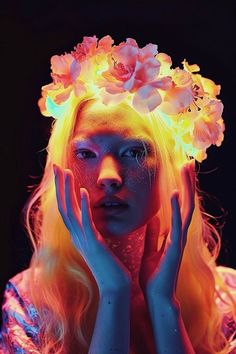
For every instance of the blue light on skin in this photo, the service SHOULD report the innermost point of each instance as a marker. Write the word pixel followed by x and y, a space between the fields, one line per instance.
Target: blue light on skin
pixel 112 153
pixel 109 156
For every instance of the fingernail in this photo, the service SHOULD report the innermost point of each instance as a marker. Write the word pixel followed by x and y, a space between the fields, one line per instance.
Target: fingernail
pixel 81 192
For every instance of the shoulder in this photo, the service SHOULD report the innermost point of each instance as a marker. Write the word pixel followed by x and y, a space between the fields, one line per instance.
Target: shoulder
pixel 20 282
pixel 17 290
pixel 19 316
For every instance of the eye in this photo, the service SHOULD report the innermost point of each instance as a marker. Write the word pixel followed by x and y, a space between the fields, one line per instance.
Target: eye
pixel 137 153
pixel 84 154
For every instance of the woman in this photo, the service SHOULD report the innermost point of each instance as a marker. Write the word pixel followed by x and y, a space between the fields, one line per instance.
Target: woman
pixel 125 257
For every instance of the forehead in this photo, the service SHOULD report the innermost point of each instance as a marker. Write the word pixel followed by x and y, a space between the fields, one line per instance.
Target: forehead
pixel 125 123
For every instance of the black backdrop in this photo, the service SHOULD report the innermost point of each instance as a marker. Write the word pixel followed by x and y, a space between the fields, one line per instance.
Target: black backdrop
pixel 201 31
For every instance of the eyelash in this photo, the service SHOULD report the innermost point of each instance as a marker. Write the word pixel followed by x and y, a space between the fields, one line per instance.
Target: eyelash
pixel 143 153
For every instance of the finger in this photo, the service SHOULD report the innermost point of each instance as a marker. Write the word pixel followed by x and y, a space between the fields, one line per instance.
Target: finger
pixel 172 257
pixel 184 190
pixel 86 215
pixel 189 190
pixel 176 221
pixel 59 186
pixel 59 180
pixel 151 237
pixel 73 211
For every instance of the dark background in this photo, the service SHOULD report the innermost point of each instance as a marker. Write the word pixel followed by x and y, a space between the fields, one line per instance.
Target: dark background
pixel 31 32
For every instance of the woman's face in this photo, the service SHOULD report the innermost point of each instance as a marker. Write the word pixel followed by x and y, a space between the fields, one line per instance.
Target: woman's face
pixel 109 159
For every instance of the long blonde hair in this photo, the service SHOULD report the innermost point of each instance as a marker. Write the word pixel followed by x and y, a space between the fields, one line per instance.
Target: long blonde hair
pixel 61 284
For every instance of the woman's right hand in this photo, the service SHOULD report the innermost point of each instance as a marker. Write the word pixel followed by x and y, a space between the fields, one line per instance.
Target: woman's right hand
pixel 109 273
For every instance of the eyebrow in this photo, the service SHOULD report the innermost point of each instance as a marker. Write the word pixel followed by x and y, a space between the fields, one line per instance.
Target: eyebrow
pixel 134 140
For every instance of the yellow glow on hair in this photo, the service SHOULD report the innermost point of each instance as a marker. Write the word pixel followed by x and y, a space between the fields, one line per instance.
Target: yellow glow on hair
pixel 59 266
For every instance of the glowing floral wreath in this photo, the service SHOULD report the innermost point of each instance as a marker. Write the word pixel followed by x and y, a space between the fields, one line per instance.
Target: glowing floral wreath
pixel 184 99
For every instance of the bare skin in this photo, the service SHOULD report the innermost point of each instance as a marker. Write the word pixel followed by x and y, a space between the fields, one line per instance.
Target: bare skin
pixel 112 154
pixel 158 275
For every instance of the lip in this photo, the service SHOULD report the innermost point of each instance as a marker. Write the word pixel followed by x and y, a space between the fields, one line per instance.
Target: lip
pixel 111 199
pixel 113 210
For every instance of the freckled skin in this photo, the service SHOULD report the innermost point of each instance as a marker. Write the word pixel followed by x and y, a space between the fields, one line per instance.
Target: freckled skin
pixel 110 171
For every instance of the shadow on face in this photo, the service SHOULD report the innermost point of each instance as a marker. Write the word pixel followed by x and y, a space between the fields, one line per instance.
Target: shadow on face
pixel 113 156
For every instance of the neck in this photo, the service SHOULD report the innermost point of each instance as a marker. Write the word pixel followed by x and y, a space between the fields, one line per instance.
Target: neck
pixel 129 250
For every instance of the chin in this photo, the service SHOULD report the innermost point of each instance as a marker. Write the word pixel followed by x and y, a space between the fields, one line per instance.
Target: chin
pixel 114 231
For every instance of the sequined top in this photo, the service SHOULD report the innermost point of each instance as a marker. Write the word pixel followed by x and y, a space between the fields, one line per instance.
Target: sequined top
pixel 20 326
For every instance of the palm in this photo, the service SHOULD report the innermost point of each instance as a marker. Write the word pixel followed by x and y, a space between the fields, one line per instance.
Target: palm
pixel 159 269
pixel 84 235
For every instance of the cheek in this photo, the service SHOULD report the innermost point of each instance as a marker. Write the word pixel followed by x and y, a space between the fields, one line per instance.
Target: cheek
pixel 146 188
pixel 144 177
pixel 82 179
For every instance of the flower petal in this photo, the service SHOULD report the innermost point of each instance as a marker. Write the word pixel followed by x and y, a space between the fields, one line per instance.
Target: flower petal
pixel 114 88
pixel 150 50
pixel 60 64
pixel 191 68
pixel 176 100
pixel 182 77
pixel 112 99
pixel 146 99
pixel 206 133
pixel 164 84
pixel 79 88
pixel 126 54
pixel 63 96
pixel 208 86
pixel 129 84
pixel 166 63
pixel 148 70
pixel 75 69
pixel 105 44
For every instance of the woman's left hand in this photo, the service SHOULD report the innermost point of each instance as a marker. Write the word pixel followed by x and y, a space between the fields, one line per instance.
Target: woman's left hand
pixel 159 269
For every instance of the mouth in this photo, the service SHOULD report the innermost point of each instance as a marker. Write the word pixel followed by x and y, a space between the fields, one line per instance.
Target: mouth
pixel 109 202
pixel 113 209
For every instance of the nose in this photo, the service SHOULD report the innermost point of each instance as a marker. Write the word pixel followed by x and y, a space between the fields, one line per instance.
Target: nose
pixel 109 177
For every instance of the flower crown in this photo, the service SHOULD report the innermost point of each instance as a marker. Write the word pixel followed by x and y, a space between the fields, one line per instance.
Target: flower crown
pixel 184 99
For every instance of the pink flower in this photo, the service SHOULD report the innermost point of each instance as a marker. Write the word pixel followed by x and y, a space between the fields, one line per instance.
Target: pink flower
pixel 136 71
pixel 190 93
pixel 147 97
pixel 133 67
pixel 182 78
pixel 85 49
pixel 209 127
pixel 65 73
pixel 105 44
pixel 166 62
pixel 206 86
pixel 90 47
pixel 65 69
pixel 176 100
pixel 192 68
